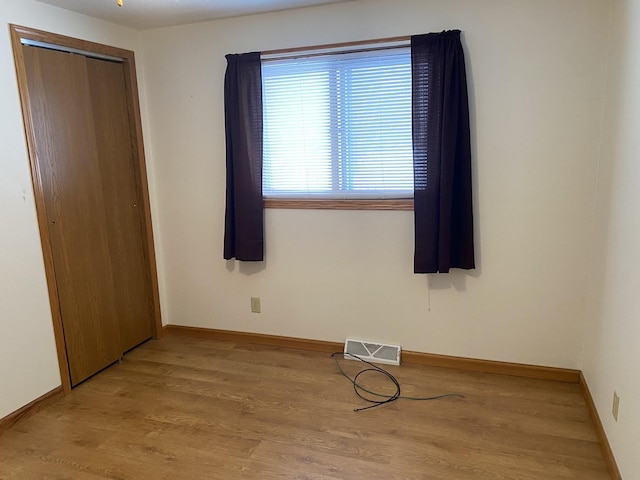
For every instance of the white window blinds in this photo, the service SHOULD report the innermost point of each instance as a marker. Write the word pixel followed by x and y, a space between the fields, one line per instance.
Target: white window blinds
pixel 338 125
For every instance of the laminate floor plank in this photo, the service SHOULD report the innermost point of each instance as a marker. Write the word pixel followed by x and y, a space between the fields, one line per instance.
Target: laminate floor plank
pixel 199 409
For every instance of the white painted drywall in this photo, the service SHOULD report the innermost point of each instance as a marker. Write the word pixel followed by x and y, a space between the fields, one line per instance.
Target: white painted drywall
pixel 28 361
pixel 536 76
pixel 612 339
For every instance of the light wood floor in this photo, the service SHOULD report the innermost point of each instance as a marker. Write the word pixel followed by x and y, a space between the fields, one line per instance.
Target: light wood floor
pixel 187 408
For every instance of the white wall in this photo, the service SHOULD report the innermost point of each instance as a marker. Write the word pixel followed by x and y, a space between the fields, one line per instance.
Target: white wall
pixel 28 361
pixel 536 77
pixel 612 340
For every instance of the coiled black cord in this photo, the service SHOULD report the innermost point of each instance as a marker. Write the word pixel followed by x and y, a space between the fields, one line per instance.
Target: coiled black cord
pixel 386 398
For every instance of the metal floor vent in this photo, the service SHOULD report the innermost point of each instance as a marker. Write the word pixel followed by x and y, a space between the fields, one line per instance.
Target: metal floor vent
pixel 372 351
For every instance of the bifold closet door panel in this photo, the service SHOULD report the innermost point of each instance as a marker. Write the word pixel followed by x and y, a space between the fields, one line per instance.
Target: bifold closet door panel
pixel 70 176
pixel 115 154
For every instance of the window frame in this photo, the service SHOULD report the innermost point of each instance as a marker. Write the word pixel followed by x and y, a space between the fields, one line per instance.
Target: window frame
pixel 399 204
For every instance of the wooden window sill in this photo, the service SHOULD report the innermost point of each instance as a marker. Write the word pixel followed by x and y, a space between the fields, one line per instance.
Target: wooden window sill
pixel 398 204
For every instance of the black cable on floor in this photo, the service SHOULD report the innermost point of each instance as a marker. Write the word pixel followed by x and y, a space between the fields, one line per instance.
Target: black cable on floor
pixel 387 398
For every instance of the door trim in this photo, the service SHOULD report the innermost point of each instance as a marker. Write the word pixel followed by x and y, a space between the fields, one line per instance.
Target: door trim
pixel 17 34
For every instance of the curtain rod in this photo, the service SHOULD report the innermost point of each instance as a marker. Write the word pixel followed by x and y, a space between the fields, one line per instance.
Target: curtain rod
pixel 333 46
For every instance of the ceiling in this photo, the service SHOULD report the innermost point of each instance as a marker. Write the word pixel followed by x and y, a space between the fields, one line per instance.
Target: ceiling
pixel 146 14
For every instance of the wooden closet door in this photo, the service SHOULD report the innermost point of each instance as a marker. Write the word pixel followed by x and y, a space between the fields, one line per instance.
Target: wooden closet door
pixel 60 104
pixel 84 150
pixel 116 152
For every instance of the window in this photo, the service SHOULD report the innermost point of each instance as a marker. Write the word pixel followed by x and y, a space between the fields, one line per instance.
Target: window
pixel 338 125
pixel 337 129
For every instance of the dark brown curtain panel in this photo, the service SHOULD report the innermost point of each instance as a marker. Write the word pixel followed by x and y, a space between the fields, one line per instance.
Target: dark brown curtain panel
pixel 244 214
pixel 441 154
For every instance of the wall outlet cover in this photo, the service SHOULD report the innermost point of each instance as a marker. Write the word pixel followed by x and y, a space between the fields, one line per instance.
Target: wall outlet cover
pixel 616 405
pixel 255 305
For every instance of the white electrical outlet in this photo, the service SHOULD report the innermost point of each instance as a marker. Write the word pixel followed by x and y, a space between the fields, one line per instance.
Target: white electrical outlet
pixel 255 304
pixel 616 405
